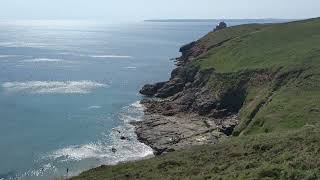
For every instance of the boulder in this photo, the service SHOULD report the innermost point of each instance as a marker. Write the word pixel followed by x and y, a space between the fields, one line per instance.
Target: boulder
pixel 151 89
pixel 222 25
pixel 114 150
pixel 170 89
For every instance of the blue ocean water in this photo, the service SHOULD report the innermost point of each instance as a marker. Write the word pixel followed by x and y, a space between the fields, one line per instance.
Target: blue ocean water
pixel 68 90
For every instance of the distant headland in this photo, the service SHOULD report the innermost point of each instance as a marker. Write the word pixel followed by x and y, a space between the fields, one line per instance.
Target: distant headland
pixel 219 20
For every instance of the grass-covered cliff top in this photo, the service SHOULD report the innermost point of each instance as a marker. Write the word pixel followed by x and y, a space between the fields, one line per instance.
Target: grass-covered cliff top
pixel 278 134
pixel 264 46
pixel 290 52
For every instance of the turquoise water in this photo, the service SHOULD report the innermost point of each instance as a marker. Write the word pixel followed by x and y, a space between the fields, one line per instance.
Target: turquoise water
pixel 68 90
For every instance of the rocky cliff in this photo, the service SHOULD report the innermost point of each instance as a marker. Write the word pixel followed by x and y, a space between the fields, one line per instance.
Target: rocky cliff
pixel 202 102
pixel 189 109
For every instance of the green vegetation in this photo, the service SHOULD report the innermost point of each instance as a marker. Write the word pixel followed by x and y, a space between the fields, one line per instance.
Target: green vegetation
pixel 289 50
pixel 262 46
pixel 278 134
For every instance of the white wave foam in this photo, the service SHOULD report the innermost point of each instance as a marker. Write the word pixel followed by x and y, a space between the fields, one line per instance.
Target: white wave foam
pixel 138 105
pixel 43 60
pixel 80 152
pixel 94 107
pixel 53 87
pixel 98 56
pixel 130 67
pixel 38 172
pixel 22 44
pixel 7 56
pixel 110 56
pixel 126 150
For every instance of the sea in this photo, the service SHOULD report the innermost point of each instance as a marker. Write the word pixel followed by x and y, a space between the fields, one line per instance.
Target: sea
pixel 69 90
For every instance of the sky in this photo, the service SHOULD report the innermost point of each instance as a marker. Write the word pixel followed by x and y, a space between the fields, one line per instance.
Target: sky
pixel 136 10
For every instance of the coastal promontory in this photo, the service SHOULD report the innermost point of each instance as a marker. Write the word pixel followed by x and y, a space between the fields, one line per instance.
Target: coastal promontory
pixel 242 103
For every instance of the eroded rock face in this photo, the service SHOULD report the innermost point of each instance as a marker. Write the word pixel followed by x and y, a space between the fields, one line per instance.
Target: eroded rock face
pixel 187 113
pixel 191 110
pixel 151 89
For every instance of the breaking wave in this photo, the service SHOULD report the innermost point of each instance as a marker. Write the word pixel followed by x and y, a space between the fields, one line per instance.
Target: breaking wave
pixel 80 152
pixel 53 87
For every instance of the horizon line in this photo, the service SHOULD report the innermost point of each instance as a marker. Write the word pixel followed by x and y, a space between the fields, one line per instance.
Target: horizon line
pixel 217 19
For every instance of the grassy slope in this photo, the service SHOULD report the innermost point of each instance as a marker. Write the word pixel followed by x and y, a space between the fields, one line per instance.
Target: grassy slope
pixel 285 45
pixel 279 119
pixel 293 49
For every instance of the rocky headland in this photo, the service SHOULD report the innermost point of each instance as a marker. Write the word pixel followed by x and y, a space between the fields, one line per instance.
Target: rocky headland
pixel 188 110
pixel 246 98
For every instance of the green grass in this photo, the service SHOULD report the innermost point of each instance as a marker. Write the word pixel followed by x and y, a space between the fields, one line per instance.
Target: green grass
pixel 282 45
pixel 275 70
pixel 284 48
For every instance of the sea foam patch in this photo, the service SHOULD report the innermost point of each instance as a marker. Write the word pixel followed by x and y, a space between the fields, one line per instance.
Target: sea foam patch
pixel 8 56
pixel 94 107
pixel 23 44
pixel 110 56
pixel 53 87
pixel 43 60
pixel 130 67
pixel 80 152
pixel 102 56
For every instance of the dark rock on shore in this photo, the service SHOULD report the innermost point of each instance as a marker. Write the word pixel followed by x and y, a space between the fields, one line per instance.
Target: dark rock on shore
pixel 125 138
pixel 222 25
pixel 114 150
pixel 151 89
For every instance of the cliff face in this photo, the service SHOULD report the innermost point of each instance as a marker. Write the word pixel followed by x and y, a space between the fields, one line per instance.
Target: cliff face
pixel 195 106
pixel 190 109
pixel 202 102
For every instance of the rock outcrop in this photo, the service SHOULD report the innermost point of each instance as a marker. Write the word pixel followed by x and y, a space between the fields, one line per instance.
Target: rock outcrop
pixel 222 25
pixel 151 89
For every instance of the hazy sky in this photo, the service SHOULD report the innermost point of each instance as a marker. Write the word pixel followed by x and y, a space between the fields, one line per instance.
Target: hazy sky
pixel 135 10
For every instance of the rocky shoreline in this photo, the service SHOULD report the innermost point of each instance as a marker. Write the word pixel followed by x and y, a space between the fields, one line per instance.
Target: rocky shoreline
pixel 165 133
